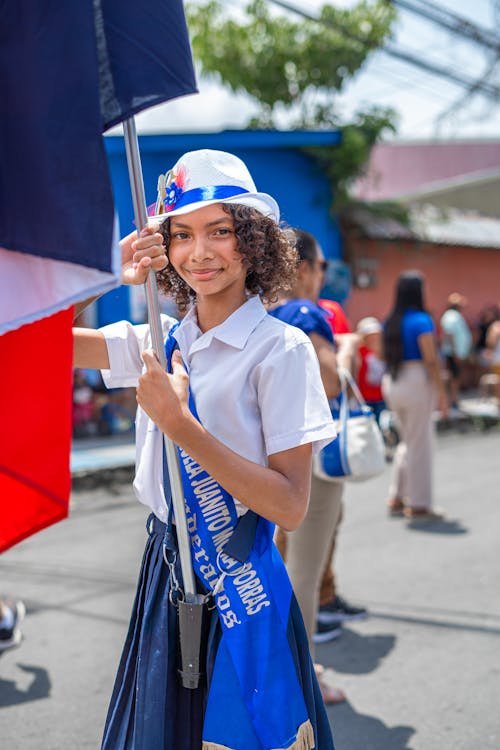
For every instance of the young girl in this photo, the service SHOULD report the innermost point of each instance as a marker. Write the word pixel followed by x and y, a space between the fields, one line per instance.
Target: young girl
pixel 369 366
pixel 245 438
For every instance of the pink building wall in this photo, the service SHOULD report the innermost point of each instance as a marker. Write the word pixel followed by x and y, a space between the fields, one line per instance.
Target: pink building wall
pixel 474 272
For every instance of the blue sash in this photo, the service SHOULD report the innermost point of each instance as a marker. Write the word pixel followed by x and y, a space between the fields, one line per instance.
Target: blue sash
pixel 255 699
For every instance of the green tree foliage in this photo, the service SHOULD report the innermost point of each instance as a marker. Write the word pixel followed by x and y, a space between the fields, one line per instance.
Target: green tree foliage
pixel 344 163
pixel 294 67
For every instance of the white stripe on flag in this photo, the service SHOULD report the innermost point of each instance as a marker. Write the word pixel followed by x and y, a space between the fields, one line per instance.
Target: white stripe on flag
pixel 32 287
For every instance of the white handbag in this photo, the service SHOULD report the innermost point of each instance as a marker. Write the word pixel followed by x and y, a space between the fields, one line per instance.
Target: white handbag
pixel 358 452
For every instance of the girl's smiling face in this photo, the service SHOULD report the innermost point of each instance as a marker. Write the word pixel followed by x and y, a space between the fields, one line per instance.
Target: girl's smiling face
pixel 204 252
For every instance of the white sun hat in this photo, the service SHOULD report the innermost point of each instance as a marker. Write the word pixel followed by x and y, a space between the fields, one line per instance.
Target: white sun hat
pixel 368 325
pixel 201 178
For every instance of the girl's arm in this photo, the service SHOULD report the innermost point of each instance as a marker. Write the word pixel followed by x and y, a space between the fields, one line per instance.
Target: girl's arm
pixel 139 256
pixel 428 349
pixel 347 350
pixel 278 492
pixel 89 349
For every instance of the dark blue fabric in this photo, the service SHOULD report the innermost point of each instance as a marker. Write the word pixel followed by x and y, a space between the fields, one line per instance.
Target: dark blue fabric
pixel 149 708
pixel 148 55
pixel 55 191
pixel 413 324
pixel 299 646
pixel 306 315
pixel 240 543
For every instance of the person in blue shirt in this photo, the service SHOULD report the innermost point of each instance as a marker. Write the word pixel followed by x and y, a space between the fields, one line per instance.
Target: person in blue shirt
pixel 307 550
pixel 456 344
pixel 412 387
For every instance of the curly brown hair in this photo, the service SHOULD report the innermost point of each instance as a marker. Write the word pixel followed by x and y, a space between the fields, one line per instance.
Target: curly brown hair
pixel 269 252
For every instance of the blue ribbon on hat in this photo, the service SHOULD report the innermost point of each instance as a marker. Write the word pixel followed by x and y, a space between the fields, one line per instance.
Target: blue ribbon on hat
pixel 176 199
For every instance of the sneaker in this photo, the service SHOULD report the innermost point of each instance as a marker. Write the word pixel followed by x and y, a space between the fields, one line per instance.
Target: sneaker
pixel 338 610
pixel 11 636
pixel 326 632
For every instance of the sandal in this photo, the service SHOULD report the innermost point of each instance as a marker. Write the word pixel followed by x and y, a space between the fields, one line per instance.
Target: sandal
pixel 395 507
pixel 423 514
pixel 331 695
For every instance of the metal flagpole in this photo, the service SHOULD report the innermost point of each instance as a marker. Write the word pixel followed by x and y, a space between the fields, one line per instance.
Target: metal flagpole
pixel 139 200
pixel 192 607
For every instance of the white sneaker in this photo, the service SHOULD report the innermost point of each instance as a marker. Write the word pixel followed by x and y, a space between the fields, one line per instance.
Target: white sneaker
pixel 326 632
pixel 10 637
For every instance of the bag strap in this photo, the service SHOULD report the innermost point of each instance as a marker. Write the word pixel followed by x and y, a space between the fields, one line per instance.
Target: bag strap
pixel 346 379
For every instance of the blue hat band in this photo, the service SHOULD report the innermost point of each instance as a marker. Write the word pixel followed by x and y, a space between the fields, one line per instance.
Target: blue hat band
pixel 176 199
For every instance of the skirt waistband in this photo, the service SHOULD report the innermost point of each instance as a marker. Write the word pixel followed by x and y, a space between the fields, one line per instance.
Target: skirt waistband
pixel 155 526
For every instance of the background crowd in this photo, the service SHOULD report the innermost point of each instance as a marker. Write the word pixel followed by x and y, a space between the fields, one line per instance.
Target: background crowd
pixel 469 354
pixel 99 411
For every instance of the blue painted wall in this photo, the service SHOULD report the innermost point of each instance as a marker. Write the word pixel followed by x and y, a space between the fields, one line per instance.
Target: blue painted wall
pixel 276 164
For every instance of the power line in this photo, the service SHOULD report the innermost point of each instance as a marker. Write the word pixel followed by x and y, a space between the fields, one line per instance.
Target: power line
pixel 462 27
pixel 401 84
pixel 484 87
pixel 451 22
pixel 471 91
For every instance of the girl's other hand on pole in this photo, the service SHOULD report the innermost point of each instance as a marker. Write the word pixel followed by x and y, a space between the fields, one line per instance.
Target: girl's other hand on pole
pixel 165 397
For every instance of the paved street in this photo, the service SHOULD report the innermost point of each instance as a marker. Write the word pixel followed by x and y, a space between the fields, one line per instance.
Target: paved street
pixel 422 673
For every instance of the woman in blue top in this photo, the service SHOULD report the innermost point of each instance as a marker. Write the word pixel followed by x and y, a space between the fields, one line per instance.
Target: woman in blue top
pixel 411 387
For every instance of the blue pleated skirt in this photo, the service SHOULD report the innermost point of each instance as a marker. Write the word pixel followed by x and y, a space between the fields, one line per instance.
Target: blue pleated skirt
pixel 149 708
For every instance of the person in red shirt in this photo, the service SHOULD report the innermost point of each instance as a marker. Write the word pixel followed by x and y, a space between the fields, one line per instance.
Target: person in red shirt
pixel 335 316
pixel 370 366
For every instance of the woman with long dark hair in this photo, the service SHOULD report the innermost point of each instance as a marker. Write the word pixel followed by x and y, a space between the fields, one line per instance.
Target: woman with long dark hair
pixel 412 388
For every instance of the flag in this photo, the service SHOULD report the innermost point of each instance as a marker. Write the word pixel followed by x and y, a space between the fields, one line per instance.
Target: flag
pixel 70 71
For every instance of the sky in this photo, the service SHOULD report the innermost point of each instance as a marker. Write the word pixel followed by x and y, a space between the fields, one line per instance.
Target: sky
pixel 420 99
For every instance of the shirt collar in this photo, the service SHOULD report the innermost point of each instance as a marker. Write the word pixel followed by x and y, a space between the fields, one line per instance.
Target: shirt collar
pixel 234 331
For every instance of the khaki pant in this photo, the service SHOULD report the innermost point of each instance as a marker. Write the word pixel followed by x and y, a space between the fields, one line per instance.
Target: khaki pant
pixel 328 587
pixel 412 397
pixel 307 550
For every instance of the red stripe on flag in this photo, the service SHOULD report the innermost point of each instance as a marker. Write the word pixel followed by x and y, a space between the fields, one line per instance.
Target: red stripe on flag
pixel 35 436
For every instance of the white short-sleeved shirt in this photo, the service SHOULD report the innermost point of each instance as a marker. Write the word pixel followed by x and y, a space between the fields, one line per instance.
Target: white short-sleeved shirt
pixel 255 380
pixel 454 324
